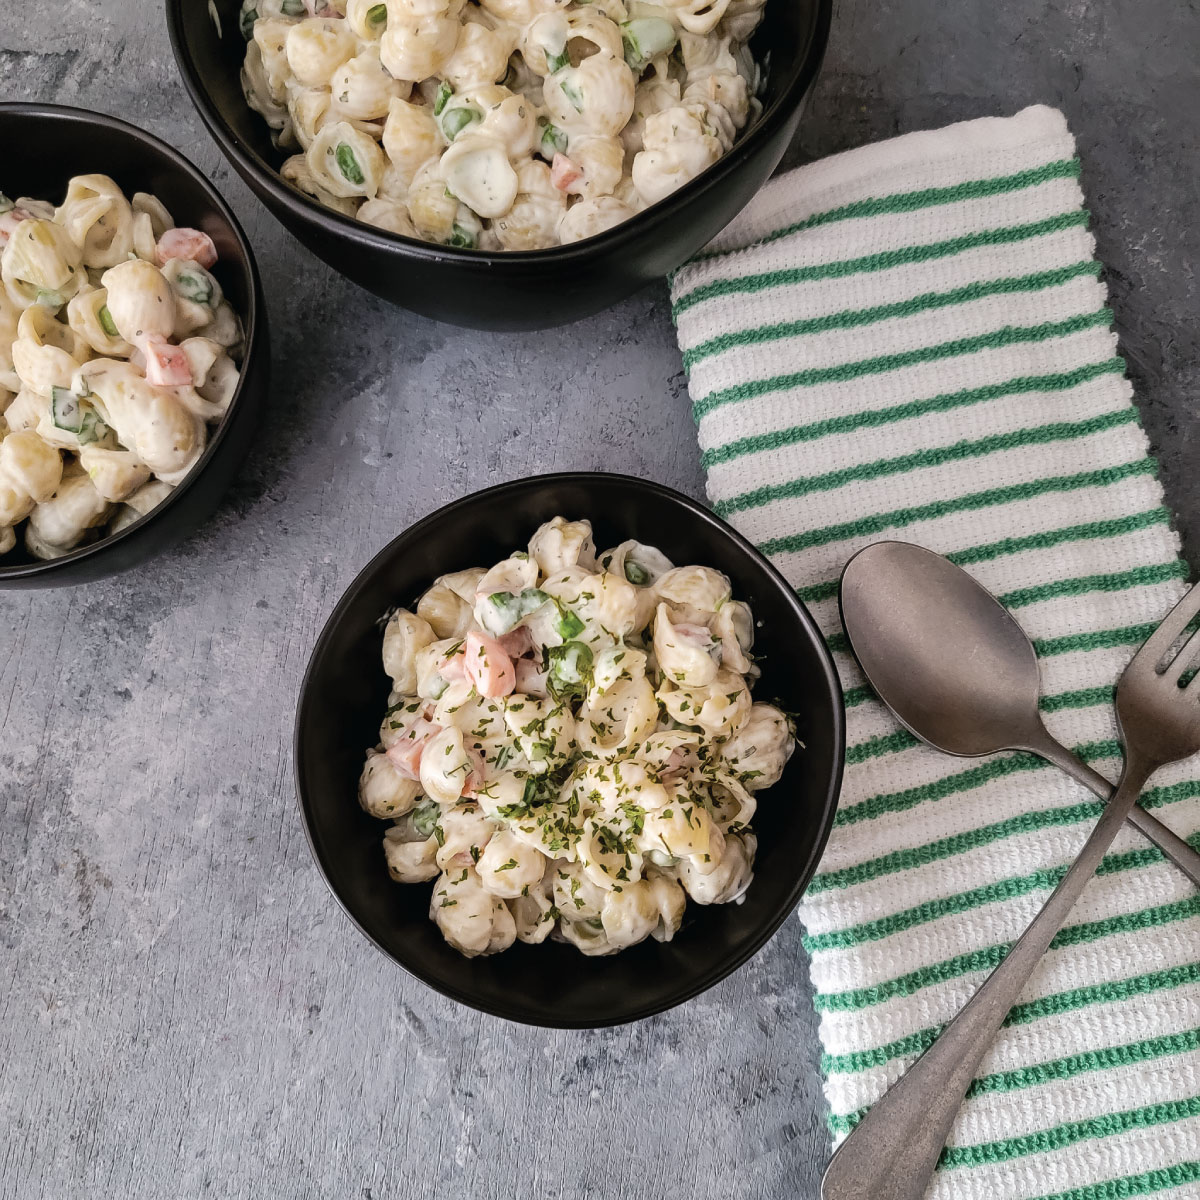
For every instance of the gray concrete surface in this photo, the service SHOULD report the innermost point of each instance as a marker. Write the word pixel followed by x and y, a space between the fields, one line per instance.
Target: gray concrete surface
pixel 183 1010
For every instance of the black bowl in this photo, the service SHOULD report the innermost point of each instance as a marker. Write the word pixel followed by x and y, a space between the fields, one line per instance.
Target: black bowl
pixel 44 146
pixel 345 693
pixel 507 290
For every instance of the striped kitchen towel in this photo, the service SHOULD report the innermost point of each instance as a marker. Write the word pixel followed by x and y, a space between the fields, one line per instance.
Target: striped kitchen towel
pixel 911 340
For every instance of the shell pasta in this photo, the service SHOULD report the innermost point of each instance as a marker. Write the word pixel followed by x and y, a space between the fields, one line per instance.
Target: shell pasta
pixel 117 351
pixel 571 749
pixel 502 124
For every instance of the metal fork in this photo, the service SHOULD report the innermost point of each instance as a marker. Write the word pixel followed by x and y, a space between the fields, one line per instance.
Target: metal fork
pixel 892 1153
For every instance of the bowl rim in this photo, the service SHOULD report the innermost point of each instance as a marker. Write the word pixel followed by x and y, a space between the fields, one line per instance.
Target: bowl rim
pixel 828 802
pixel 252 326
pixel 304 208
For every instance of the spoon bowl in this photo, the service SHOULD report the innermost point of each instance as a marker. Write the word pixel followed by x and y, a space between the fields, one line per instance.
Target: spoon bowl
pixel 958 671
pixel 941 651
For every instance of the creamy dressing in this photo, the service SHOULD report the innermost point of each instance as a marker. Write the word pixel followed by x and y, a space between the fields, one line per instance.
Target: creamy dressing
pixel 589 80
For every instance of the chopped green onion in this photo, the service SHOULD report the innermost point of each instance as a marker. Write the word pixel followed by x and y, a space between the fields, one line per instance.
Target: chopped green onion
pixel 194 287
pixel 248 17
pixel 462 238
pixel 645 38
pixel 50 299
pixel 556 62
pixel 106 321
pixel 425 817
pixel 455 120
pixel 377 15
pixel 69 413
pixel 554 140
pixel 636 574
pixel 507 610
pixel 504 615
pixel 570 89
pixel 532 599
pixel 348 164
pixel 65 409
pixel 444 92
pixel 6 205
pixel 93 429
pixel 568 625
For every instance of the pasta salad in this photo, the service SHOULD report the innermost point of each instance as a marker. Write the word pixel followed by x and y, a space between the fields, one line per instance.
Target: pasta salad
pixel 117 351
pixel 502 124
pixel 571 748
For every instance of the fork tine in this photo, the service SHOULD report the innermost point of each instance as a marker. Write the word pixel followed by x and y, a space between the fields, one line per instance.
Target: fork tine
pixel 1165 636
pixel 1186 657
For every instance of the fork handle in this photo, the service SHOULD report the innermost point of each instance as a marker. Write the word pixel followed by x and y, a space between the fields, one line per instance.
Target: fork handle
pixel 892 1153
pixel 1169 842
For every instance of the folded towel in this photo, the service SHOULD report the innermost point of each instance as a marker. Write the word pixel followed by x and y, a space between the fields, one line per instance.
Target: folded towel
pixel 911 340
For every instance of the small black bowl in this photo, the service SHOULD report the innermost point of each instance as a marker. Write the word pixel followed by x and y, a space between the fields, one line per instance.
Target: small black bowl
pixel 344 695
pixel 44 146
pixel 532 289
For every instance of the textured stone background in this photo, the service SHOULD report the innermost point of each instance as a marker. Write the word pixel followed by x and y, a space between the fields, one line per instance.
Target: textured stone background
pixel 183 1010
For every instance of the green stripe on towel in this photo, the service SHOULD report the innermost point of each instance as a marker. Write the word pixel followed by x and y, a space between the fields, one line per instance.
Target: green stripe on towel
pixel 910 342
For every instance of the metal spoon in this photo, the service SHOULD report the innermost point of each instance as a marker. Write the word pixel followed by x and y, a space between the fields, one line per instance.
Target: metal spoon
pixel 955 668
pixel 893 1151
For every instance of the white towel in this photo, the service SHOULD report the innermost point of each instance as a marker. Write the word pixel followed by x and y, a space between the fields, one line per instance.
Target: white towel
pixel 911 340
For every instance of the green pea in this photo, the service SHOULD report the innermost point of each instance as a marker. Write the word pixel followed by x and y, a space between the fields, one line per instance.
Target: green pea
pixel 377 15
pixel 463 238
pixel 636 574
pixel 195 287
pixel 645 38
pixel 457 119
pixel 444 92
pixel 106 321
pixel 568 667
pixel 425 817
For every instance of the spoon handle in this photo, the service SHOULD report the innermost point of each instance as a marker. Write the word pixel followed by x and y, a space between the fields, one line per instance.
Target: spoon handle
pixel 893 1152
pixel 1171 844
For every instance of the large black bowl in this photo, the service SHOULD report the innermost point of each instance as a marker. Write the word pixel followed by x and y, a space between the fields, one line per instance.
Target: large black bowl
pixel 508 290
pixel 44 145
pixel 344 695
